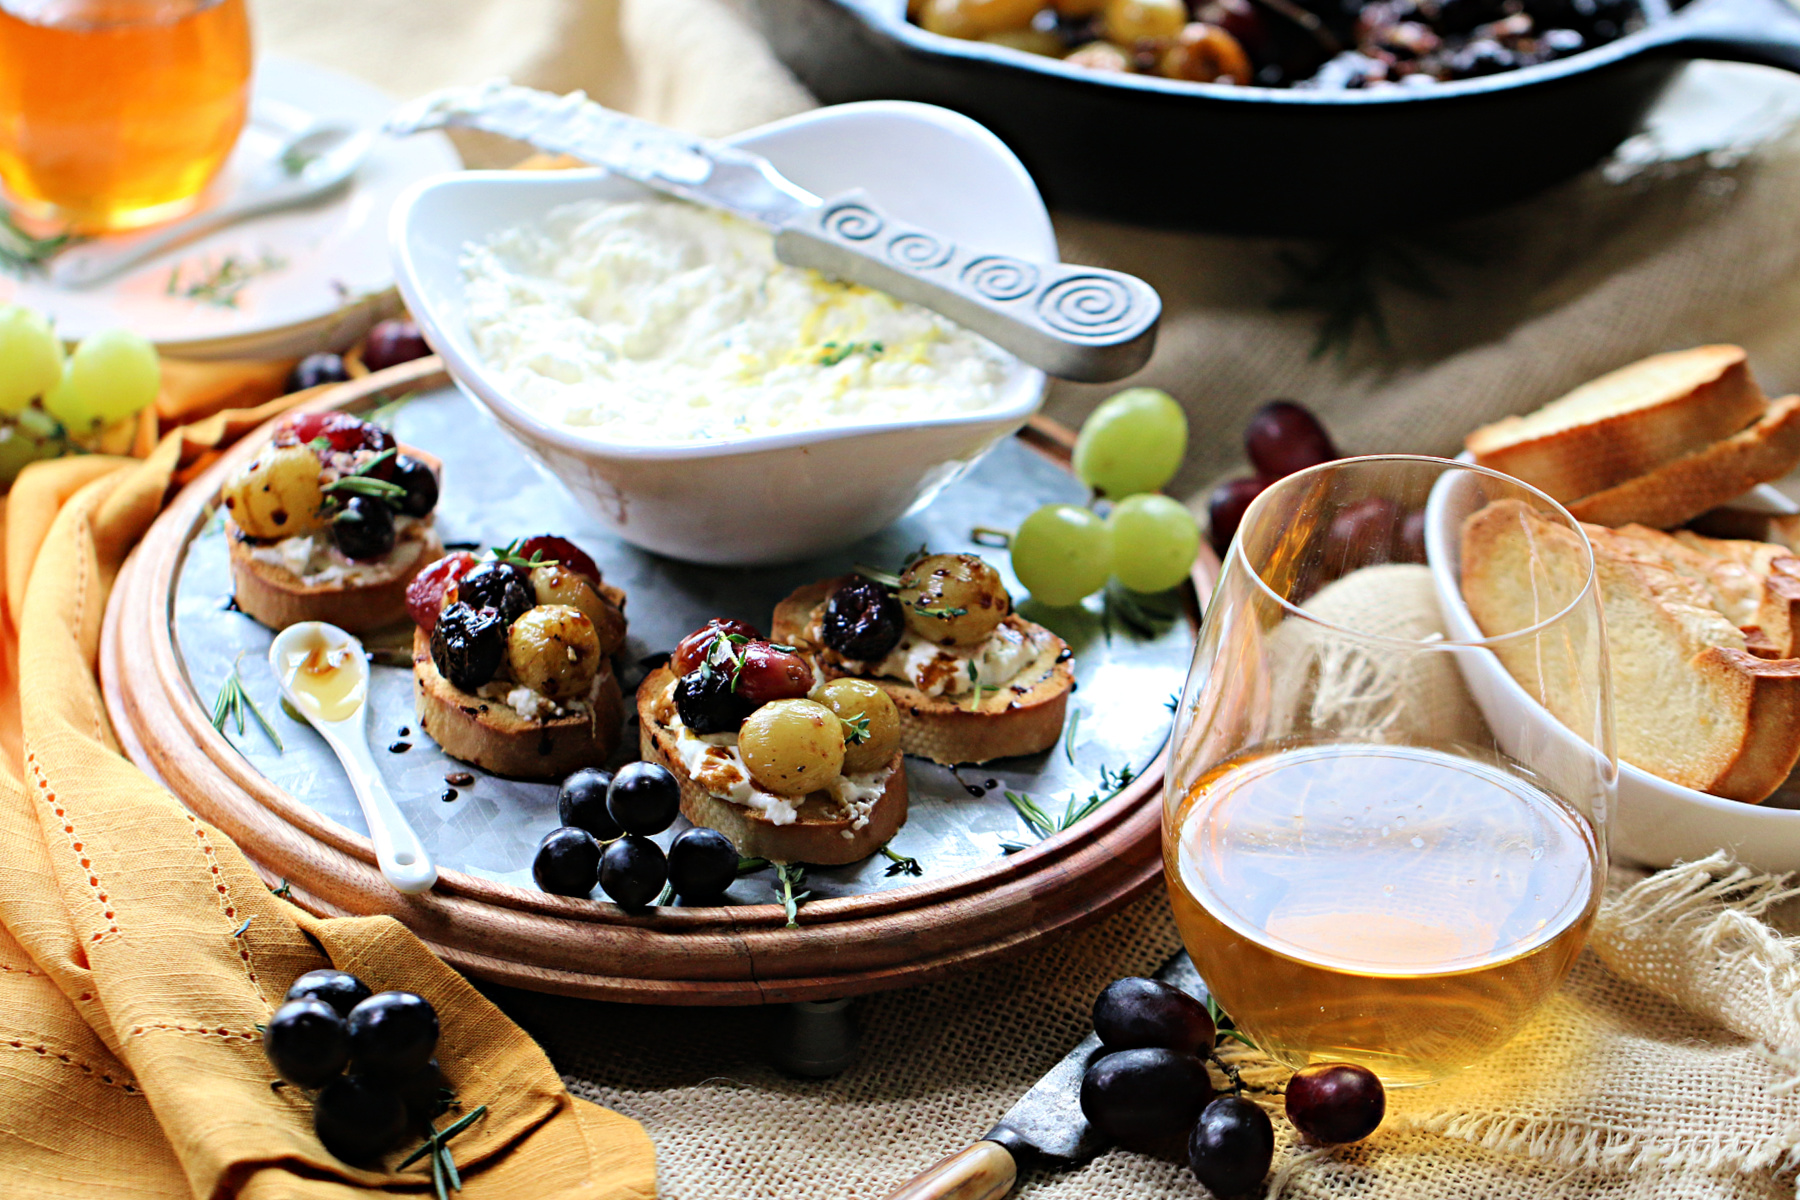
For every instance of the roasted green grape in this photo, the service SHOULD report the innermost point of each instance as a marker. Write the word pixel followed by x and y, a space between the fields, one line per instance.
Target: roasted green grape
pixel 792 747
pixel 278 494
pixel 871 722
pixel 953 599
pixel 553 650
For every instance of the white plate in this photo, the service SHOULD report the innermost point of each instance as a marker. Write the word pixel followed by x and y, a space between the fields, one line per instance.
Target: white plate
pixel 1657 823
pixel 336 267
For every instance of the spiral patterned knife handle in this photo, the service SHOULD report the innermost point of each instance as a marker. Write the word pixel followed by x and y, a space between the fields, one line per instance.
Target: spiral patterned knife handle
pixel 1081 323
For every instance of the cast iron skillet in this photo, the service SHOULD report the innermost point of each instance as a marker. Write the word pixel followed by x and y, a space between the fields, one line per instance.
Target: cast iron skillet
pixel 1272 160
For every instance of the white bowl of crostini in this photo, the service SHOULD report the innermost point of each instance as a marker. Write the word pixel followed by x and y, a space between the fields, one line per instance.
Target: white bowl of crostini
pixel 772 497
pixel 1656 823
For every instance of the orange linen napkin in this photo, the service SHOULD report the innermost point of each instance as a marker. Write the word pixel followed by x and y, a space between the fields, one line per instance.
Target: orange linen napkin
pixel 139 949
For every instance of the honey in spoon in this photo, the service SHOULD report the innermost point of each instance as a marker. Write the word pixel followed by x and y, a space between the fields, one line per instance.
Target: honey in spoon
pixel 325 678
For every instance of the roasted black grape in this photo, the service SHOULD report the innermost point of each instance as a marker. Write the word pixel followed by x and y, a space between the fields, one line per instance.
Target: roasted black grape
pixel 581 802
pixel 708 704
pixel 468 645
pixel 421 485
pixel 340 989
pixel 499 586
pixel 1335 1103
pixel 307 1042
pixel 392 1034
pixel 363 528
pixel 1134 1013
pixel 863 620
pixel 358 1118
pixel 644 798
pixel 567 862
pixel 1283 437
pixel 702 864
pixel 633 871
pixel 1138 1097
pixel 1231 1147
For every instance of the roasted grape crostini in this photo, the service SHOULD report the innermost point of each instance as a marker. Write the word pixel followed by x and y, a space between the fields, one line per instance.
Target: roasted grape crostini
pixel 330 522
pixel 512 658
pixel 972 680
pixel 788 769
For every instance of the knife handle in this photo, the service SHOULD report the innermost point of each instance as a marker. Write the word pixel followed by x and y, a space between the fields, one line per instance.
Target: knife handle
pixel 985 1171
pixel 1082 323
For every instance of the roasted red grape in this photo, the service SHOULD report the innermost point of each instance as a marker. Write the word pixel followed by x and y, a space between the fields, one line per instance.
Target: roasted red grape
pixel 771 674
pixel 1335 1103
pixel 425 594
pixel 863 620
pixel 391 343
pixel 343 434
pixel 1138 1097
pixel 1133 1013
pixel 1283 437
pixel 693 648
pixel 559 550
pixel 1232 1146
pixel 1225 509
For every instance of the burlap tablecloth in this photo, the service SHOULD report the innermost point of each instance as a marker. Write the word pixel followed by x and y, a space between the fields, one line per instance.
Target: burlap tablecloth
pixel 1666 1067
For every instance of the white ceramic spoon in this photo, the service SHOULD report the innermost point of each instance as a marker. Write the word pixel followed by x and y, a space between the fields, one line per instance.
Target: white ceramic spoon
pixel 324 674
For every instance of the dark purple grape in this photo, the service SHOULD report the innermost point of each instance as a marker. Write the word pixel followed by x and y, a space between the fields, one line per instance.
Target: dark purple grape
pixel 863 620
pixel 359 1119
pixel 340 989
pixel 769 674
pixel 392 1034
pixel 581 802
pixel 420 482
pixel 1133 1013
pixel 307 1042
pixel 633 871
pixel 391 343
pixel 468 645
pixel 708 704
pixel 644 798
pixel 1335 1103
pixel 426 1094
pixel 363 528
pixel 567 862
pixel 1232 1146
pixel 1409 543
pixel 1225 509
pixel 1138 1097
pixel 316 369
pixel 702 864
pixel 499 586
pixel 1283 437
pixel 1365 532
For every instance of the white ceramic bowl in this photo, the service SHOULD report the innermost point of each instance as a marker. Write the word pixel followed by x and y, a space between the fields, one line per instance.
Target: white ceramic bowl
pixel 776 497
pixel 1657 822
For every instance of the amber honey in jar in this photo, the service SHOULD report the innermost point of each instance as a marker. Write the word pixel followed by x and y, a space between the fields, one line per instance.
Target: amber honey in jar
pixel 117 113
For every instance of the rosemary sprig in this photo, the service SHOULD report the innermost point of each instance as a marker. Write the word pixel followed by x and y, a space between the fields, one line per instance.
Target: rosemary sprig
pixel 24 253
pixel 1142 616
pixel 220 284
pixel 1342 280
pixel 384 414
pixel 233 701
pixel 1069 736
pixel 747 866
pixel 294 160
pixel 360 482
pixel 445 1178
pixel 1223 1023
pixel 900 864
pixel 884 578
pixel 833 353
pixel 788 877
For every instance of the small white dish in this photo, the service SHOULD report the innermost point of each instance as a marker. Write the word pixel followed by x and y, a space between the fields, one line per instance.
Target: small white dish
pixel 334 271
pixel 324 673
pixel 1657 823
pixel 768 498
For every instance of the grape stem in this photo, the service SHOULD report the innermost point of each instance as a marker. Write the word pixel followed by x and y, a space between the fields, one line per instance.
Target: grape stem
pixel 987 535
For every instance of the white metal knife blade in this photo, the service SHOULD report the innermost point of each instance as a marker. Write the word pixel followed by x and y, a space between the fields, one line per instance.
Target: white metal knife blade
pixel 1082 323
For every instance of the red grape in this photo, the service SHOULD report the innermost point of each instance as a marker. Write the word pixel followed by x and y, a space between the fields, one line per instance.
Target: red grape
pixel 1283 437
pixel 1132 1013
pixel 771 674
pixel 1139 1097
pixel 393 342
pixel 1409 544
pixel 425 594
pixel 1232 1146
pixel 1364 531
pixel 342 433
pixel 1335 1103
pixel 1225 509
pixel 692 650
pixel 562 551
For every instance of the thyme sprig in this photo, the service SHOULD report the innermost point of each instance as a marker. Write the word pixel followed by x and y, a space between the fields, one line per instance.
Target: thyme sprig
pixel 444 1176
pixel 24 253
pixel 510 555
pixel 943 612
pixel 1079 807
pixel 220 284
pixel 856 729
pixel 232 702
pixel 788 878
pixel 975 692
pixel 900 864
pixel 1142 616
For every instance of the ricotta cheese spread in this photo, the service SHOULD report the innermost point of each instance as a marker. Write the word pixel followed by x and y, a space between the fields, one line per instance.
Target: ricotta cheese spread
pixel 659 321
pixel 954 670
pixel 315 558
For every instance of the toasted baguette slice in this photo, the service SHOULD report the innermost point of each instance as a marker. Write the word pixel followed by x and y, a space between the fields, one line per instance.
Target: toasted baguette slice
pixel 275 596
pixel 1626 423
pixel 1022 717
pixel 1679 491
pixel 1751 583
pixel 1689 703
pixel 821 833
pixel 495 738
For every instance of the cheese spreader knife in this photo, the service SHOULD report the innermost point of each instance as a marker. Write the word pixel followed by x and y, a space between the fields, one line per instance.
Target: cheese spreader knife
pixel 1081 323
pixel 1044 1127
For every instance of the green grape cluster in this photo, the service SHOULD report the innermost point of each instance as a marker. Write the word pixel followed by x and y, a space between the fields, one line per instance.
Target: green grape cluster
pixel 1132 445
pixel 48 398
